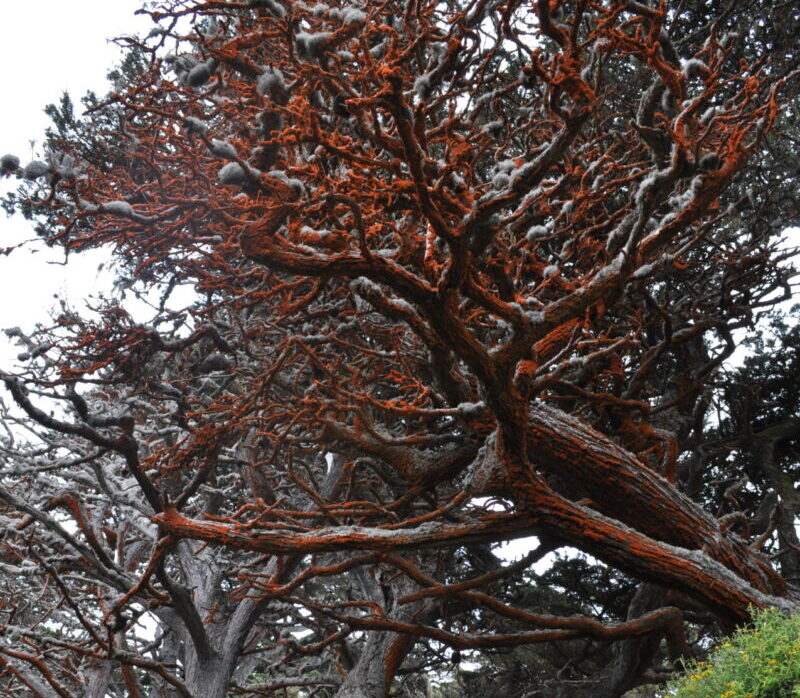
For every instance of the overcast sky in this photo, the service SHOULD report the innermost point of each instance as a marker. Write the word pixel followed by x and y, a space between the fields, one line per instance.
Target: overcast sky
pixel 48 46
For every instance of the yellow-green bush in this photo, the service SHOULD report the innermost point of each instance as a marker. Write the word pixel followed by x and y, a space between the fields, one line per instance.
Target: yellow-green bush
pixel 758 662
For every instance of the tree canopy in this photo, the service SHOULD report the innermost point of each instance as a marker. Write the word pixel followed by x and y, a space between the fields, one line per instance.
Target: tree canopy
pixel 459 273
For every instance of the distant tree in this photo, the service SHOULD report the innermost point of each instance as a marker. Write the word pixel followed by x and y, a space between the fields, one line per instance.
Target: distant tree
pixel 459 273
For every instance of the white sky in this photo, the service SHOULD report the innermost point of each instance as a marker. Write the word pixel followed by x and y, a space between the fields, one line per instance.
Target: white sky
pixel 48 46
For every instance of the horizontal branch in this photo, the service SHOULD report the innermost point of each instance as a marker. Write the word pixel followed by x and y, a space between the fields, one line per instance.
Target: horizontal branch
pixel 494 527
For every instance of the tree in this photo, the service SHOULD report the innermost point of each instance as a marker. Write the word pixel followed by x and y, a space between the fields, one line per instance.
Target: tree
pixel 461 273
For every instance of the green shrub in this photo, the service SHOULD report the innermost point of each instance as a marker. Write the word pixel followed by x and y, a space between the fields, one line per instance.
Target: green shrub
pixel 758 662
